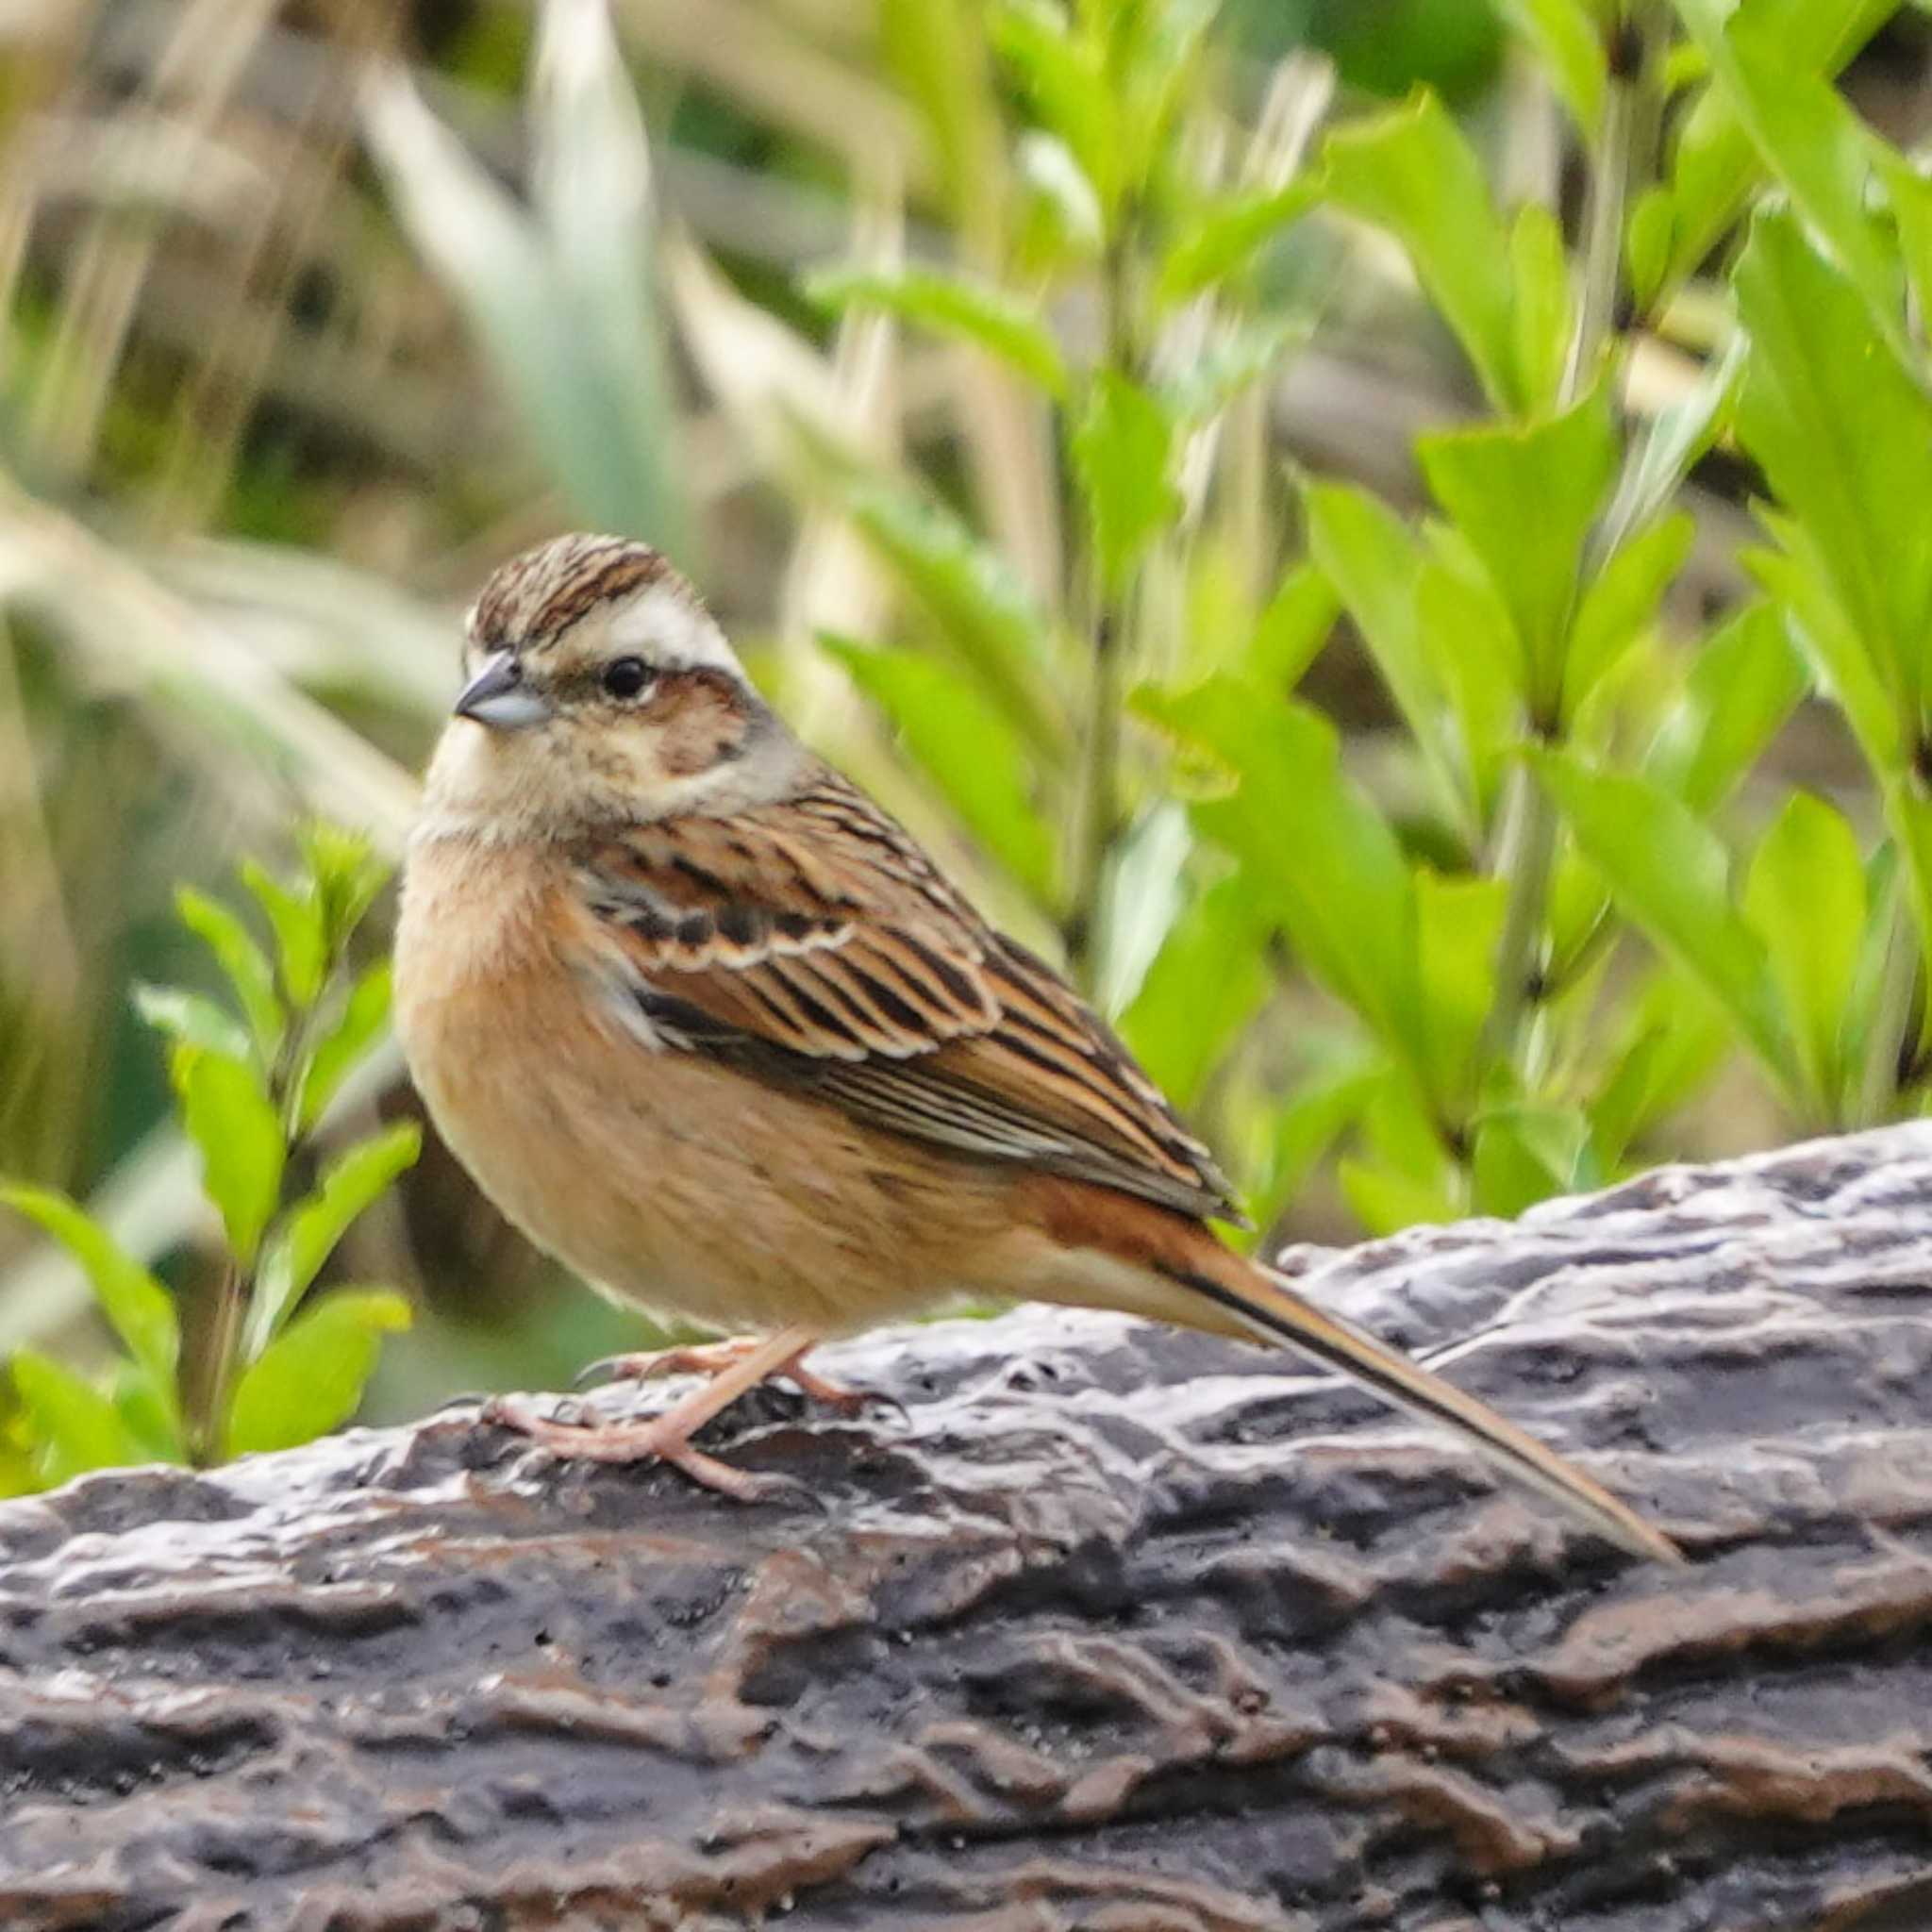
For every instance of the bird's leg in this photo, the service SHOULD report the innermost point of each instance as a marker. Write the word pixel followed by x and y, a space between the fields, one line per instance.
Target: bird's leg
pixel 667 1438
pixel 713 1357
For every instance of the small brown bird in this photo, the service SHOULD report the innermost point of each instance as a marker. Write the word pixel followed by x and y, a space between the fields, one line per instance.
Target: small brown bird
pixel 711 1028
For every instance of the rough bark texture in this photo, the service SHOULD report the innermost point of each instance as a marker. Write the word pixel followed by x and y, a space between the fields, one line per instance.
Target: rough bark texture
pixel 1117 1628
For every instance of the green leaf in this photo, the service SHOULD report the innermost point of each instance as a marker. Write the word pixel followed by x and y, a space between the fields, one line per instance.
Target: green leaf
pixel 1676 1040
pixel 229 1119
pixel 311 1378
pixel 1060 220
pixel 964 745
pixel 1569 39
pixel 1745 682
pixel 1647 237
pixel 1369 554
pixel 245 963
pixel 346 874
pixel 1226 236
pixel 560 293
pixel 937 52
pixel 1233 362
pixel 1840 659
pixel 1319 1111
pixel 1000 634
pixel 1669 874
pixel 1524 497
pixel 73 1426
pixel 188 1016
pixel 970 311
pixel 1290 631
pixel 1807 133
pixel 1526 1154
pixel 1063 76
pixel 139 1309
pixel 1319 860
pixel 1622 601
pixel 1678 434
pixel 1466 634
pixel 1412 172
pixel 1544 314
pixel 308 1232
pixel 1460 923
pixel 1205 984
pixel 1385 1200
pixel 1805 896
pixel 301 945
pixel 1717 163
pixel 1124 451
pixel 336 1053
pixel 1845 436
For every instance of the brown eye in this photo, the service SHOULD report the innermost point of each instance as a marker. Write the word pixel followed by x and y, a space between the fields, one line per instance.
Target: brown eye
pixel 628 678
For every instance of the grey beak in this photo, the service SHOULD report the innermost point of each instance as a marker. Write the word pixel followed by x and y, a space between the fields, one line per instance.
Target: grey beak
pixel 498 697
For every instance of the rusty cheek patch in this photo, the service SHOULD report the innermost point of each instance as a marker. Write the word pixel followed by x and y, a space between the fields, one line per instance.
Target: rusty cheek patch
pixel 702 718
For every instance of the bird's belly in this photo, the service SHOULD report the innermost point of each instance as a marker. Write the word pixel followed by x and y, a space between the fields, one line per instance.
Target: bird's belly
pixel 685 1187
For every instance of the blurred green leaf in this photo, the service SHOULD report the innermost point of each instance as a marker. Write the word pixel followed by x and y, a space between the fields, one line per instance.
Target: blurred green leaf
pixel 1124 451
pixel 140 1310
pixel 1544 314
pixel 565 317
pixel 186 1016
pixel 1677 1036
pixel 1000 633
pixel 72 1425
pixel 301 945
pixel 1746 681
pixel 1524 497
pixel 1233 362
pixel 1669 874
pixel 311 1378
pixel 346 874
pixel 1060 220
pixel 1140 897
pixel 1717 163
pixel 1385 1200
pixel 1805 897
pixel 1568 37
pixel 230 1118
pixel 1807 133
pixel 975 311
pixel 149 1413
pixel 1678 434
pixel 1412 172
pixel 1369 554
pixel 310 1231
pixel 1205 984
pixel 936 51
pixel 1062 73
pixel 1320 1109
pixel 336 1051
pixel 1620 601
pixel 1291 629
pixel 1460 923
pixel 968 750
pixel 1841 660
pixel 1466 634
pixel 1319 858
pixel 1845 436
pixel 1226 235
pixel 245 964
pixel 1525 1154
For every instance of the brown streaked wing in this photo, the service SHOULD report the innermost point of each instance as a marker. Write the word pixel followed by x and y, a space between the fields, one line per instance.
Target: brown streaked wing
pixel 815 943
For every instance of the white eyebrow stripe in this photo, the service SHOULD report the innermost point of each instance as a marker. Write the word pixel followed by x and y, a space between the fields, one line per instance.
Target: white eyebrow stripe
pixel 667 627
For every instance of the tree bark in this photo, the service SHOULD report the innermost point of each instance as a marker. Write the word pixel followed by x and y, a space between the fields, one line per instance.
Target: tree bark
pixel 1116 1629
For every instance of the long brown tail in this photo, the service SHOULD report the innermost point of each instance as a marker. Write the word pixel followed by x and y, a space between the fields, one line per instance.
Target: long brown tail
pixel 1263 1302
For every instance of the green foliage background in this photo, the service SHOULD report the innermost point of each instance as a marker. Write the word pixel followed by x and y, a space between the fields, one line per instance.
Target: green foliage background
pixel 1392 538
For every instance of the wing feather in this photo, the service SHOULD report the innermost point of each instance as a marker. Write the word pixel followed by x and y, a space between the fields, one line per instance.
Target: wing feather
pixel 812 943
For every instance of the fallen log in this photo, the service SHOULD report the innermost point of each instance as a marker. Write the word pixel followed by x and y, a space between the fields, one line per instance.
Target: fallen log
pixel 1115 1629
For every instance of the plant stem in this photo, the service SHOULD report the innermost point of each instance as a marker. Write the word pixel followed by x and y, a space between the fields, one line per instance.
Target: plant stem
pixel 1108 612
pixel 1528 845
pixel 231 1300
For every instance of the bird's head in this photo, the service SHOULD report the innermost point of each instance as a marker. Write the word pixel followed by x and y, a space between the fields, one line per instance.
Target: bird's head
pixel 600 688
